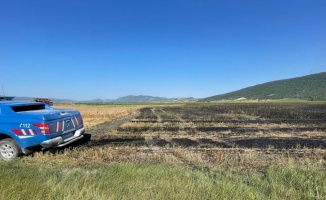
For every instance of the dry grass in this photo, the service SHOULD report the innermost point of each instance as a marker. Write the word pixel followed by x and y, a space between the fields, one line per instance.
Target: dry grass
pixel 235 159
pixel 97 114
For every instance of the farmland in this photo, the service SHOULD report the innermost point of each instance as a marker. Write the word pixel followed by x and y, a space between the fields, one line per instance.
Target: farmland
pixel 259 150
pixel 236 137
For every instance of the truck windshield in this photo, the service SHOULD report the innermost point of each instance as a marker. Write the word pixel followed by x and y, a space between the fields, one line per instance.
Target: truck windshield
pixel 24 108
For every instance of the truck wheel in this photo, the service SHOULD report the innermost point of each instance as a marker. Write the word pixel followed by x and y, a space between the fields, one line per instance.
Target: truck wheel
pixel 9 149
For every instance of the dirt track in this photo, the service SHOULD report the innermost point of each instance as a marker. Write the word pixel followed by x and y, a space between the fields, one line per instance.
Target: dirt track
pixel 110 125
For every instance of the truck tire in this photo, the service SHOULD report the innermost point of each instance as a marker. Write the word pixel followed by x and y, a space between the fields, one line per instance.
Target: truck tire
pixel 9 149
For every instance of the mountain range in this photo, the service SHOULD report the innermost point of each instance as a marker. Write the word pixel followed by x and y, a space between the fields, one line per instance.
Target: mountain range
pixel 126 99
pixel 311 87
pixel 141 99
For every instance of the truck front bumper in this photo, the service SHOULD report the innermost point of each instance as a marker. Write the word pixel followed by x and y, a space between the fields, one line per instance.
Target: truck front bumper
pixel 60 142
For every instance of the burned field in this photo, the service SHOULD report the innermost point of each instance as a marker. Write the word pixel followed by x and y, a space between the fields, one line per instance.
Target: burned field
pixel 232 136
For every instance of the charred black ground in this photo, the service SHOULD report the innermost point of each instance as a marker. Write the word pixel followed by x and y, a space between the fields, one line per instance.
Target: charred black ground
pixel 226 126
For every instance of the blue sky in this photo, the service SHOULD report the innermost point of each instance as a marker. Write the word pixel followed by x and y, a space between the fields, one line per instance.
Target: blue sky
pixel 84 50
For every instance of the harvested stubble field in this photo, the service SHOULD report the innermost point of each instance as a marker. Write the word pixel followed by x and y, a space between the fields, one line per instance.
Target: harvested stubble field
pixel 237 137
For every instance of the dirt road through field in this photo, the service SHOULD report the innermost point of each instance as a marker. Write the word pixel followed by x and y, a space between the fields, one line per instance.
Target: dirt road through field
pixel 110 125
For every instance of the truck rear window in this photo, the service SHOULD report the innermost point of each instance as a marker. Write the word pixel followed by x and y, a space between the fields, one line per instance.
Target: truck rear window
pixel 28 108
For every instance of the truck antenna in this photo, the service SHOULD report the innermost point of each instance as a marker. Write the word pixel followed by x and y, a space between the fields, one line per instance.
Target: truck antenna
pixel 3 91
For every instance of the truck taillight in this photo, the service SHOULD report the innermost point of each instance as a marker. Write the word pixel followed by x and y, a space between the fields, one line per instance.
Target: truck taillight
pixel 44 127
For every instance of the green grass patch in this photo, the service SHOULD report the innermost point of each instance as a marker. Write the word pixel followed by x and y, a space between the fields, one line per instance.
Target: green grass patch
pixel 148 181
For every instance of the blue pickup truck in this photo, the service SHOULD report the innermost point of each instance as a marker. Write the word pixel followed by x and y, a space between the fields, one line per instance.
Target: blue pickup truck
pixel 25 126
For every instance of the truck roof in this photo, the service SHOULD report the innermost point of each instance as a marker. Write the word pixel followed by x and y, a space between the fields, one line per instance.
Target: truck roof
pixel 14 107
pixel 17 103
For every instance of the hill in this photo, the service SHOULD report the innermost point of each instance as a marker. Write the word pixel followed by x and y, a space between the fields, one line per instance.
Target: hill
pixel 311 87
pixel 151 99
